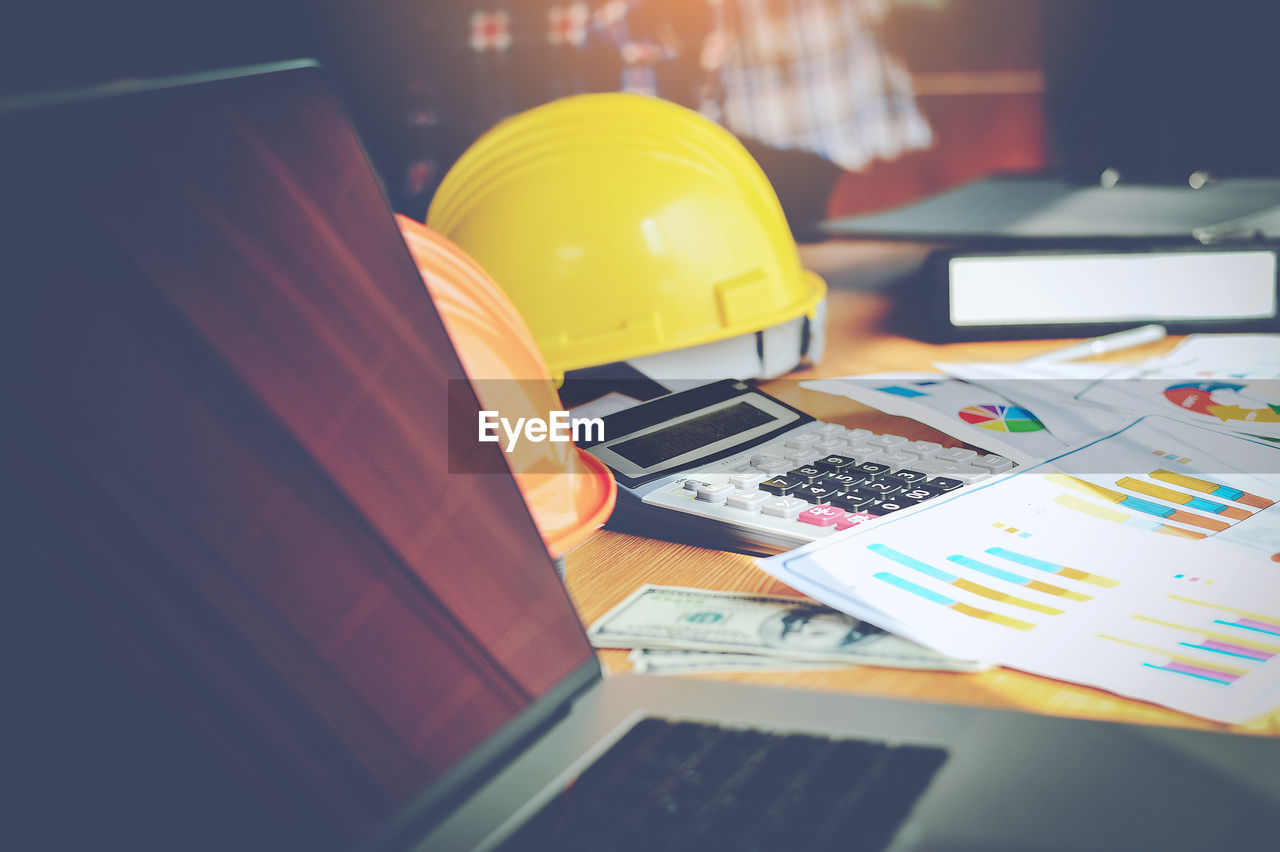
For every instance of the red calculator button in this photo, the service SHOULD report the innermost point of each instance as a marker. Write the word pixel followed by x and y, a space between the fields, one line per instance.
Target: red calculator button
pixel 852 519
pixel 822 516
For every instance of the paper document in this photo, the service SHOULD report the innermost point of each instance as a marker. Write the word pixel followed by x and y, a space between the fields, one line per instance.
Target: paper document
pixel 973 413
pixel 1227 382
pixel 1144 564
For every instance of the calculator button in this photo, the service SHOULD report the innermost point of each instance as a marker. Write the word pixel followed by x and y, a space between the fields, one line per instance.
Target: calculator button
pixel 780 485
pixel 801 456
pixel 763 458
pixel 923 449
pixel 993 463
pixel 777 465
pixel 908 475
pixel 808 473
pixel 749 500
pixel 884 507
pixel 842 481
pixel 871 469
pixel 835 463
pixel 858 437
pixel 854 500
pixel 830 429
pixel 783 507
pixel 831 445
pixel 888 442
pixel 852 519
pixel 821 516
pixel 952 470
pixel 897 459
pixel 866 454
pixel 803 441
pixel 956 454
pixel 921 492
pixel 715 493
pixel 815 493
pixel 747 481
pixel 944 483
pixel 693 484
pixel 883 487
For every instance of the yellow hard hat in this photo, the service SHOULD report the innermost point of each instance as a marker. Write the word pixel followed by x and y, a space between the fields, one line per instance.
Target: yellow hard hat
pixel 623 225
pixel 569 492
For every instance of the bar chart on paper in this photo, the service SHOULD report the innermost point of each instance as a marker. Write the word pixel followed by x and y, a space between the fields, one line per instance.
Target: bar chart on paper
pixel 1198 641
pixel 1174 496
pixel 1056 571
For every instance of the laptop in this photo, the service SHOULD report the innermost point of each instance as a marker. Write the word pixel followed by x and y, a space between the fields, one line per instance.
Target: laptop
pixel 273 612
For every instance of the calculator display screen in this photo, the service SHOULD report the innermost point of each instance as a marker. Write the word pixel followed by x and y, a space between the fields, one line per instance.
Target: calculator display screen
pixel 692 433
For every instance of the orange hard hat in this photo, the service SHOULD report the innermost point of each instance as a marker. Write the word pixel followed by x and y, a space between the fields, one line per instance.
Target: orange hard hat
pixel 569 491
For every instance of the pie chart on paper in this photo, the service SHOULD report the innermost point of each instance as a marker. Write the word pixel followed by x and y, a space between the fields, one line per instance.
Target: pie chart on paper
pixel 1000 418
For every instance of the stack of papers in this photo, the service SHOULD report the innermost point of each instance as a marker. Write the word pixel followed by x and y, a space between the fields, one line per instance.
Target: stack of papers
pixel 1138 551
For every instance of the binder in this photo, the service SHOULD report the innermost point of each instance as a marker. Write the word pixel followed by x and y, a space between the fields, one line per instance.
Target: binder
pixel 1043 257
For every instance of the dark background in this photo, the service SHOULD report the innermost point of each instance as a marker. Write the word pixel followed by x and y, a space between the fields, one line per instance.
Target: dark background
pixel 1155 88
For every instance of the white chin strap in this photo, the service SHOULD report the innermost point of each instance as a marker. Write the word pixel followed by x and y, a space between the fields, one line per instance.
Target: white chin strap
pixel 759 355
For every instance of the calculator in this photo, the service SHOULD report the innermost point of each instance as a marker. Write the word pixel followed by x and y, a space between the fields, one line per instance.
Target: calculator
pixel 727 465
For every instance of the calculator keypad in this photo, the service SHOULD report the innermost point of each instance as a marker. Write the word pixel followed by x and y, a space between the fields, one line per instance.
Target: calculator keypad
pixel 825 478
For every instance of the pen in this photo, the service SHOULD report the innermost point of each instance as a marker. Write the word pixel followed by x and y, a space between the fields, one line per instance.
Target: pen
pixel 1098 345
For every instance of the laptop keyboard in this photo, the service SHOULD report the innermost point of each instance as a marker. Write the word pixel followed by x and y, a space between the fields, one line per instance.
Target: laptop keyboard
pixel 684 785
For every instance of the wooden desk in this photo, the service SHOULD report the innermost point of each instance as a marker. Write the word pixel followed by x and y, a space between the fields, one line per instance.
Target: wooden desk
pixel 610 565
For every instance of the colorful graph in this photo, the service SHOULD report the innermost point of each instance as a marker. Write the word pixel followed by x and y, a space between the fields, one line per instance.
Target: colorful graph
pixel 1221 400
pixel 1084 506
pixel 1252 621
pixel 1218 515
pixel 1223 655
pixel 1214 489
pixel 1185 666
pixel 963 609
pixel 972 587
pixel 1000 418
pixel 1217 642
pixel 1052 568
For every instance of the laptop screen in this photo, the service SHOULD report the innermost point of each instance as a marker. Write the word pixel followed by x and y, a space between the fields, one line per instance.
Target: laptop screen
pixel 237 390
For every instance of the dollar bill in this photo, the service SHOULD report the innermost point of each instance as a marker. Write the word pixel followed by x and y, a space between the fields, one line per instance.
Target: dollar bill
pixel 789 628
pixel 676 661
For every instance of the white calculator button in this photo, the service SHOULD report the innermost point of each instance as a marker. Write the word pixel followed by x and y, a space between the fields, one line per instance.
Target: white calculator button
pixel 747 481
pixel 776 465
pixel 830 429
pixel 715 493
pixel 886 441
pixel 803 457
pixel 895 459
pixel 952 470
pixel 993 463
pixel 693 484
pixel 865 454
pixel 857 437
pixel 827 447
pixel 801 442
pixel 784 507
pixel 956 454
pixel 749 500
pixel 923 449
pixel 761 458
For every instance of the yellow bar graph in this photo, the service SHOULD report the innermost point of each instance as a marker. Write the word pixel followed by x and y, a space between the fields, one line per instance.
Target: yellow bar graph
pixel 1205 486
pixel 1246 613
pixel 991 616
pixel 1003 597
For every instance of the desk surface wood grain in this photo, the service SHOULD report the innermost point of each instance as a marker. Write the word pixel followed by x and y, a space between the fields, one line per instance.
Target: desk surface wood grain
pixel 610 565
